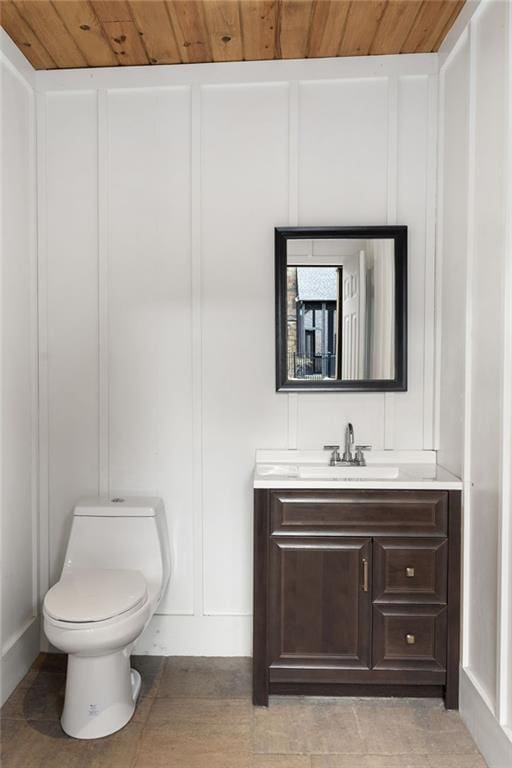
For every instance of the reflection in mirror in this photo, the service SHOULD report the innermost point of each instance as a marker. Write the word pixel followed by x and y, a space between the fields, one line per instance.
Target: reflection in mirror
pixel 340 309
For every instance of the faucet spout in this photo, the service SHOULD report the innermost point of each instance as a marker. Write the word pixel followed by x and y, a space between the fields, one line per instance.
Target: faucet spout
pixel 349 443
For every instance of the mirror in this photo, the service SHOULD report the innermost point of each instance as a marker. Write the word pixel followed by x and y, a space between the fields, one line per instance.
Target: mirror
pixel 341 308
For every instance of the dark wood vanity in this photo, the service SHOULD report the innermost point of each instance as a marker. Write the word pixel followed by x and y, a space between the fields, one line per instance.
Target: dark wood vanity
pixel 356 592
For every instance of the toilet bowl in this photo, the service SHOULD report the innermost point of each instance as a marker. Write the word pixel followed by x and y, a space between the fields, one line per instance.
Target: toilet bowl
pixel 116 569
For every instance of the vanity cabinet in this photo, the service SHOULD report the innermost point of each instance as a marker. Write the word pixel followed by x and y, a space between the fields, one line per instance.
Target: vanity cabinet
pixel 356 592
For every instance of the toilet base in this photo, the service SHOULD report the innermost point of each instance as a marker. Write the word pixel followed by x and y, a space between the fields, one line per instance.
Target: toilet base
pixel 101 694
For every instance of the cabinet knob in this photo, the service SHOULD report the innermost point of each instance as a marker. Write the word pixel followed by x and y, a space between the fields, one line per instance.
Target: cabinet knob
pixel 409 572
pixel 410 639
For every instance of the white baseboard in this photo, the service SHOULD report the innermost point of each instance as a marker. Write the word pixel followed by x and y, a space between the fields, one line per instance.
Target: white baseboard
pixel 197 636
pixel 491 739
pixel 17 660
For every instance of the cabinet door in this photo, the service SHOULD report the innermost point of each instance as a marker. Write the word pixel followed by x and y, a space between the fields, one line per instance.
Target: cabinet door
pixel 320 603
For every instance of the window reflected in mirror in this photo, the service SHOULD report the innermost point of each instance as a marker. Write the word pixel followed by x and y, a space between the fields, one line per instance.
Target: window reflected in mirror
pixel 340 309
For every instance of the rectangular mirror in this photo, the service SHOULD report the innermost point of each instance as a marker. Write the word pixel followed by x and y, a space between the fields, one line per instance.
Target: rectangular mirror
pixel 341 308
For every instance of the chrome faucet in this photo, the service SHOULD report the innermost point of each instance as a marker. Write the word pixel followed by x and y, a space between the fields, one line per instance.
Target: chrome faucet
pixel 348 459
pixel 349 444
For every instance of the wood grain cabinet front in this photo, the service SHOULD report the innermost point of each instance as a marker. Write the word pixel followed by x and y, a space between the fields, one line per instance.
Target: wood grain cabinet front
pixel 356 593
pixel 410 570
pixel 320 608
pixel 411 638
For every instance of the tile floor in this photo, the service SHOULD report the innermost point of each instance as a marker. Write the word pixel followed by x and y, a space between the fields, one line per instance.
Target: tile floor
pixel 197 713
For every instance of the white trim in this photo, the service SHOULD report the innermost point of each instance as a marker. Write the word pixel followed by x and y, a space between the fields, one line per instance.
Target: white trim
pixel 470 249
pixel 391 214
pixel 463 39
pixel 11 641
pixel 237 72
pixel 457 30
pixel 34 374
pixel 430 272
pixel 503 671
pixel 11 55
pixel 392 156
pixel 293 419
pixel 439 216
pixel 197 636
pixel 293 154
pixel 103 140
pixel 18 657
pixel 197 350
pixel 19 647
pixel 476 710
pixel 293 220
pixel 42 300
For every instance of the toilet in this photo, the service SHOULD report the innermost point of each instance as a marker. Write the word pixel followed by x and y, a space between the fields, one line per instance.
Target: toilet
pixel 115 572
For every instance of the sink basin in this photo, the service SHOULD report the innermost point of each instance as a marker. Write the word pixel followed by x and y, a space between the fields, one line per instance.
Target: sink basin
pixel 348 473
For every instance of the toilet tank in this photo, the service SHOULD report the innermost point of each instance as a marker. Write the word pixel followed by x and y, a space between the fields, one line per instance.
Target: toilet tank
pixel 129 532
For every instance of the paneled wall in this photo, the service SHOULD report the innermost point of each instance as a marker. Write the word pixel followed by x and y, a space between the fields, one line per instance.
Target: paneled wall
pixel 160 189
pixel 475 246
pixel 18 478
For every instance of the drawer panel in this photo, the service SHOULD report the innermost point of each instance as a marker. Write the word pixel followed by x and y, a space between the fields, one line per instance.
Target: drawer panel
pixel 409 637
pixel 410 570
pixel 385 513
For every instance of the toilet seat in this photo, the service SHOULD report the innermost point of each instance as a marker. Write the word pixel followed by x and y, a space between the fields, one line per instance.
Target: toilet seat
pixel 88 595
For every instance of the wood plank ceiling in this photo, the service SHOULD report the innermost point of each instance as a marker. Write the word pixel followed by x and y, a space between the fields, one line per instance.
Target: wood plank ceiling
pixel 107 33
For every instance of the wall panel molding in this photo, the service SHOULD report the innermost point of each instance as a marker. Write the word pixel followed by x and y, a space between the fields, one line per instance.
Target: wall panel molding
pixel 391 218
pixel 429 368
pixel 19 447
pixel 18 656
pixel 42 304
pixel 478 713
pixel 315 70
pixel 475 184
pixel 504 656
pixel 283 420
pixel 103 277
pixel 197 347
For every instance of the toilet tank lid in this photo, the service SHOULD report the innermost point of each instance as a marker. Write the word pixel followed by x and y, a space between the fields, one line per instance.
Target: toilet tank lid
pixel 119 506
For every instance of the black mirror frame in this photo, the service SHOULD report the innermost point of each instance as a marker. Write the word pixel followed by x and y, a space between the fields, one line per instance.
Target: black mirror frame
pixel 399 235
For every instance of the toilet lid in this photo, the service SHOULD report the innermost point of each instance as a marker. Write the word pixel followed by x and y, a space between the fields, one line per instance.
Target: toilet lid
pixel 86 594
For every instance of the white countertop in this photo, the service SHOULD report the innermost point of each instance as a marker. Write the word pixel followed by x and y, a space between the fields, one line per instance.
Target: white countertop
pixel 417 470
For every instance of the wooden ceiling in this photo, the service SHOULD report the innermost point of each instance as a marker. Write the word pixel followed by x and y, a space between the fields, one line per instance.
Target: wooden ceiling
pixel 107 33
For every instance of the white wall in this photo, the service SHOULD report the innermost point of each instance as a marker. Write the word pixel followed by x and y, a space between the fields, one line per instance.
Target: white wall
pixel 475 360
pixel 159 192
pixel 18 479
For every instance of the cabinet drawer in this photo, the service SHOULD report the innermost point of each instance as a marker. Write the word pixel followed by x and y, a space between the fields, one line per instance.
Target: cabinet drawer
pixel 410 570
pixel 409 637
pixel 398 513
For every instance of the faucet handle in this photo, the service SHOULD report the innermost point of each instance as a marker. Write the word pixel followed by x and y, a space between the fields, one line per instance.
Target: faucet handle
pixel 359 455
pixel 335 455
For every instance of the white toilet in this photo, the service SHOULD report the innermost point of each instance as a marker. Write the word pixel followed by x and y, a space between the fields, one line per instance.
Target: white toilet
pixel 115 572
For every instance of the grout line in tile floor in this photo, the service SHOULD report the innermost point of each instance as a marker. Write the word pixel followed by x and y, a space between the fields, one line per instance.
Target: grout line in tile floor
pixel 358 722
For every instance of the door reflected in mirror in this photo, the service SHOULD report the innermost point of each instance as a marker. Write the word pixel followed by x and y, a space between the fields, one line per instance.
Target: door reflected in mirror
pixel 343 314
